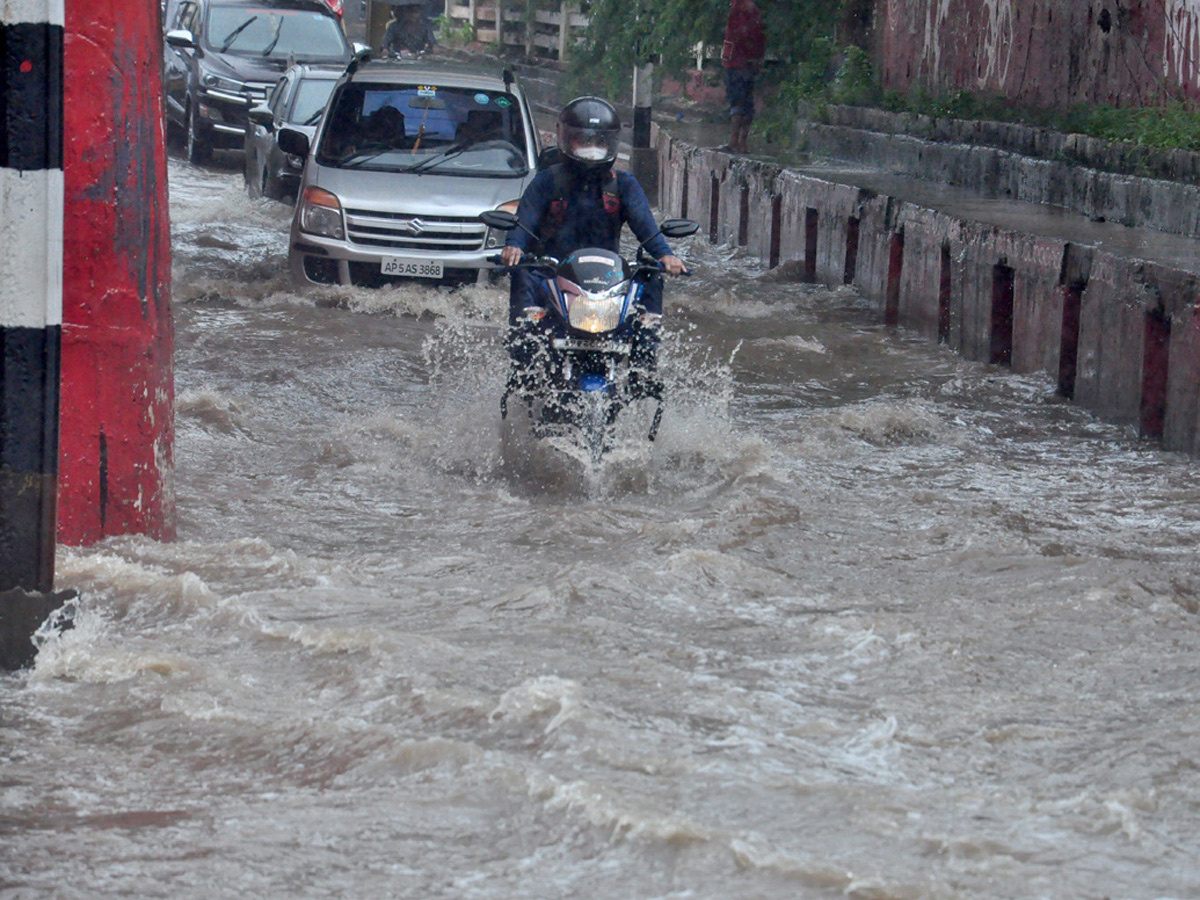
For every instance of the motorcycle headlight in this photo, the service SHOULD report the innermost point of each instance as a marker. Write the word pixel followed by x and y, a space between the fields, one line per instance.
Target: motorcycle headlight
pixel 597 313
pixel 321 213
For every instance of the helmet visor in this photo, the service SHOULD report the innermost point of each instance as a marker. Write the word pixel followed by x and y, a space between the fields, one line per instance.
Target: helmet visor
pixel 593 145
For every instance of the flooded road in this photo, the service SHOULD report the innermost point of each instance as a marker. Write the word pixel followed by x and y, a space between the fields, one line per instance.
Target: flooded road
pixel 865 621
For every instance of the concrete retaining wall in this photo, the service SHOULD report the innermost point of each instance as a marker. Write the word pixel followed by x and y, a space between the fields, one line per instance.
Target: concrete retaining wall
pixel 1104 181
pixel 1042 52
pixel 1118 335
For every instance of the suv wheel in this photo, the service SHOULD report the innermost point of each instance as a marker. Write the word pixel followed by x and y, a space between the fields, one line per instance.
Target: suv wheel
pixel 199 147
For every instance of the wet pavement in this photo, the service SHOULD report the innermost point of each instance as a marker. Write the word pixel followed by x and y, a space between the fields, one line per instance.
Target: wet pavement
pixel 866 621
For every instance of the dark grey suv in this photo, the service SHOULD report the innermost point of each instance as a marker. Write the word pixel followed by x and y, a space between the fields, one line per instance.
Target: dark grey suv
pixel 223 56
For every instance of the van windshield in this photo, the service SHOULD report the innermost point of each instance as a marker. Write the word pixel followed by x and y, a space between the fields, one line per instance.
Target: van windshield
pixel 425 128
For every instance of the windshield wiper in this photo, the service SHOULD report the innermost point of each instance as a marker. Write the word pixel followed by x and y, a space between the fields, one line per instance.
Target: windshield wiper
pixel 359 158
pixel 275 40
pixel 449 153
pixel 233 35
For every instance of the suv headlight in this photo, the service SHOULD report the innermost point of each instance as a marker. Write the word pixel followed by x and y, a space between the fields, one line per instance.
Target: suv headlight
pixel 321 213
pixel 224 88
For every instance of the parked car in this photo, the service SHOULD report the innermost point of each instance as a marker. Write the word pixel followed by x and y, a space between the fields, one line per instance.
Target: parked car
pixel 407 156
pixel 223 56
pixel 296 101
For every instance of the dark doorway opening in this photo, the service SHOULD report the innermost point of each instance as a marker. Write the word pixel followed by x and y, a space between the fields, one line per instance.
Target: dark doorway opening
pixel 810 244
pixel 776 229
pixel 851 270
pixel 1156 351
pixel 891 311
pixel 944 287
pixel 714 211
pixel 1002 315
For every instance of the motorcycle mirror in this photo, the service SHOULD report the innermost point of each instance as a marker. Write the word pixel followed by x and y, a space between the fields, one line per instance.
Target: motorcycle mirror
pixel 498 218
pixel 504 221
pixel 677 228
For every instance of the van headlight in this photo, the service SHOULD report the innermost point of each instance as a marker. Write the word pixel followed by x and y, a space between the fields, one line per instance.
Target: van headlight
pixel 321 213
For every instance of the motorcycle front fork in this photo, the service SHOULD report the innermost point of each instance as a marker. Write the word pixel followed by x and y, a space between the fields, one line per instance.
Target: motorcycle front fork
pixel 531 366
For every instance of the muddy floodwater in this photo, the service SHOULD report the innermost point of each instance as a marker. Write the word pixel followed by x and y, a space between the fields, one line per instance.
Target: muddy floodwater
pixel 866 620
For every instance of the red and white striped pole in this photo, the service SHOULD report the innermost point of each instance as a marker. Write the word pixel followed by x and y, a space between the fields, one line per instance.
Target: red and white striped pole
pixel 31 227
pixel 118 398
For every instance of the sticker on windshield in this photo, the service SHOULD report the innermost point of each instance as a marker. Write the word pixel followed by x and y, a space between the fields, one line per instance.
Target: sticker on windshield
pixel 602 260
pixel 503 102
pixel 425 90
pixel 482 99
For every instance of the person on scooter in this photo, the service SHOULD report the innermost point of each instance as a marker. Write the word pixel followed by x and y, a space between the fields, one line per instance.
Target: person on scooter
pixel 582 202
pixel 409 32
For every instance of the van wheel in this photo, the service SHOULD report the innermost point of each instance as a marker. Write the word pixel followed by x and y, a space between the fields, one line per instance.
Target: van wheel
pixel 199 147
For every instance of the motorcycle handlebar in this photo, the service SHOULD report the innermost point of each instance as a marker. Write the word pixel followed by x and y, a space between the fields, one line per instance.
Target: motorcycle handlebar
pixel 546 262
pixel 526 262
pixel 657 267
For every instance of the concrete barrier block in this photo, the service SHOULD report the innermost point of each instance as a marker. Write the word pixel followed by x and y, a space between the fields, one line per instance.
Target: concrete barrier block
pixel 1180 428
pixel 1111 330
pixel 795 201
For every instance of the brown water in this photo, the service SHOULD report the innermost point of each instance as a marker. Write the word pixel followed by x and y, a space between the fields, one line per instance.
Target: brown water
pixel 866 621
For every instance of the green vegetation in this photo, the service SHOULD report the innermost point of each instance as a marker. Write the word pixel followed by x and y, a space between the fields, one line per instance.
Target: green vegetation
pixel 1174 126
pixel 452 33
pixel 623 32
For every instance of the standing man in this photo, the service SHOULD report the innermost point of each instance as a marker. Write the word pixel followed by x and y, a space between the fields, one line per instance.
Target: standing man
pixel 745 45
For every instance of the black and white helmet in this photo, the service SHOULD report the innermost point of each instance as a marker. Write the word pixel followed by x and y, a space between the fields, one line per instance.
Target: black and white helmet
pixel 588 132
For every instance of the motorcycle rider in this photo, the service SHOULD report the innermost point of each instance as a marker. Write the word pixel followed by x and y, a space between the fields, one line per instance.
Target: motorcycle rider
pixel 583 202
pixel 409 32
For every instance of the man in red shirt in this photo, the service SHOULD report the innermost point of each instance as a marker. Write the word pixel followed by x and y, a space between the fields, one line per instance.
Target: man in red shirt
pixel 745 45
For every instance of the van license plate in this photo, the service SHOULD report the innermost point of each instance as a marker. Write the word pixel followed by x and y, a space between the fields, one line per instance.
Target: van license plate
pixel 410 268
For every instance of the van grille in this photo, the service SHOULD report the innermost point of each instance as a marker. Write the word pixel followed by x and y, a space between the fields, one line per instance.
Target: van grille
pixel 398 231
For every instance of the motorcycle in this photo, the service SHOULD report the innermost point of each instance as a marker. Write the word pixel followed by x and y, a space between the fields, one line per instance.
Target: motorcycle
pixel 590 351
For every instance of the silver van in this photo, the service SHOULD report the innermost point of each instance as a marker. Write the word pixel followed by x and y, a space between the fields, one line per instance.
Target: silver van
pixel 409 153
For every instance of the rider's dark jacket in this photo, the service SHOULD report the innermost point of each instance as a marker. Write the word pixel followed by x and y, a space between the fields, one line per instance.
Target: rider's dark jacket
pixel 570 209
pixel 413 36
